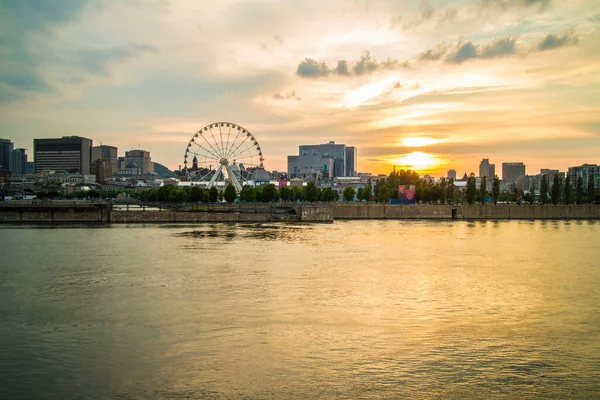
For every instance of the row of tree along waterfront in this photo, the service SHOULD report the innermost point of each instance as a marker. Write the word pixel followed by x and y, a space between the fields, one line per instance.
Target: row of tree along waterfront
pixel 442 192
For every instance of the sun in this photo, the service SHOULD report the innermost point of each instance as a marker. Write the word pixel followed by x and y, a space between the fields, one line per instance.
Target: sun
pixel 417 161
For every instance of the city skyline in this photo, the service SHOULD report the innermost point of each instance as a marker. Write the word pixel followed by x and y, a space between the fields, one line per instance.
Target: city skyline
pixel 428 85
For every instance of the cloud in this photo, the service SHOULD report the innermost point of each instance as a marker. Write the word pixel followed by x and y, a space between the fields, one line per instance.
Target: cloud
pixel 24 81
pixel 286 96
pixel 552 41
pixel 463 53
pixel 506 4
pixel 310 68
pixel 366 64
pixel 499 48
pixel 96 60
pixel 342 68
pixel 434 54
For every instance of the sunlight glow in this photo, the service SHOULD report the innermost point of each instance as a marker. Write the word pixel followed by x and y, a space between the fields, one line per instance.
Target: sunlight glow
pixel 418 141
pixel 417 161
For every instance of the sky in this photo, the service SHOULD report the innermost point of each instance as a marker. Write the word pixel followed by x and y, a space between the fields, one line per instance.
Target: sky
pixel 430 85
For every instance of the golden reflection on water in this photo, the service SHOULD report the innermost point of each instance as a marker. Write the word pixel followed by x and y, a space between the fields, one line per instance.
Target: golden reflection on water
pixel 358 309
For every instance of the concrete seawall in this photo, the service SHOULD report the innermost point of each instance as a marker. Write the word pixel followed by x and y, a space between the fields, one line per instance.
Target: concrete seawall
pixel 464 212
pixel 85 212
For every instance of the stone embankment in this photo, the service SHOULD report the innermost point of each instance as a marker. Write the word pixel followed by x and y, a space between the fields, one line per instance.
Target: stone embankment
pixel 87 212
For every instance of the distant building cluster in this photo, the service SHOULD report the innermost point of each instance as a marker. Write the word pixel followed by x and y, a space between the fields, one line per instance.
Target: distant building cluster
pixel 74 162
pixel 514 176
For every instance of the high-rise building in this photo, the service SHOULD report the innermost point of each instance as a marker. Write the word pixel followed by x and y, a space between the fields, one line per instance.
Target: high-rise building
pixel 486 169
pixel 512 170
pixel 330 150
pixel 312 161
pixel 452 174
pixel 69 153
pixel 6 149
pixel 139 159
pixel 351 161
pixel 108 156
pixel 18 163
pixel 585 171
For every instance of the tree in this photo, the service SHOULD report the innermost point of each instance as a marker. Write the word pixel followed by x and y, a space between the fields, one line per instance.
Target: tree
pixel 270 193
pixel 220 196
pixel 568 190
pixel 532 193
pixel 195 194
pixel 383 194
pixel 360 194
pixel 368 191
pixel 471 189
pixel 450 191
pixel 483 189
pixel 230 193
pixel 286 194
pixel 311 194
pixel 247 194
pixel 544 189
pixel 213 194
pixel 555 191
pixel 591 192
pixel 329 194
pixel 579 190
pixel 495 189
pixel 349 193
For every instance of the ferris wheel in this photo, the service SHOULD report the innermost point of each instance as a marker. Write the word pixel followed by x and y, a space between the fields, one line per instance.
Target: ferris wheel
pixel 223 153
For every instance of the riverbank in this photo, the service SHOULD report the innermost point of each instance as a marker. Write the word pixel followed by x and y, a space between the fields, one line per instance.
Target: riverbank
pixel 103 213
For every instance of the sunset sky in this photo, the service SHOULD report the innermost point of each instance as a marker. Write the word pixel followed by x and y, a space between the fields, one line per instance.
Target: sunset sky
pixel 427 84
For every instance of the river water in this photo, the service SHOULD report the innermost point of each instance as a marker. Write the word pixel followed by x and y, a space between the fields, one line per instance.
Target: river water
pixel 350 310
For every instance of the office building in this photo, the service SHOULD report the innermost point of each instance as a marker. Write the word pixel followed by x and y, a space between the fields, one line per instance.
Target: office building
pixel 312 160
pixel 351 161
pixel 68 154
pixel 18 162
pixel 6 149
pixel 512 170
pixel 139 159
pixel 452 174
pixel 108 157
pixel 486 169
pixel 315 167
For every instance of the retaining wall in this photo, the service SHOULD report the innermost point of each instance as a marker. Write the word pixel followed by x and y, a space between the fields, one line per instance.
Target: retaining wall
pixel 390 211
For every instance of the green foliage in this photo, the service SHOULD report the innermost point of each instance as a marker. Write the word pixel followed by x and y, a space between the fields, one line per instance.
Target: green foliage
pixel 213 194
pixel 579 190
pixel 368 192
pixel 310 192
pixel 450 191
pixel 483 189
pixel 496 189
pixel 348 193
pixel 298 193
pixel 471 189
pixel 568 190
pixel 286 194
pixel 544 189
pixel 360 194
pixel 591 191
pixel 329 194
pixel 267 194
pixel 555 191
pixel 220 196
pixel 384 194
pixel 247 194
pixel 230 193
pixel 532 192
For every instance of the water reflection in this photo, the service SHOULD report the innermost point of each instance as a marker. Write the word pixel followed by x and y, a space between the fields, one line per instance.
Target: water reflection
pixel 356 309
